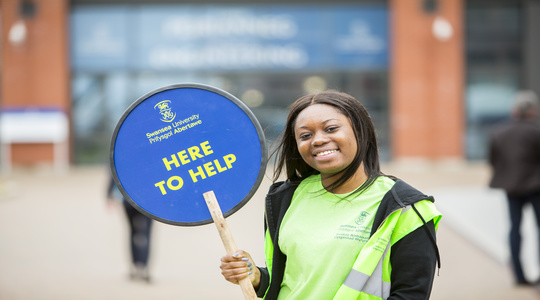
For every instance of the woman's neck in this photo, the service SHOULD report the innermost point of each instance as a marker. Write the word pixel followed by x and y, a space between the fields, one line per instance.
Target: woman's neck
pixel 348 186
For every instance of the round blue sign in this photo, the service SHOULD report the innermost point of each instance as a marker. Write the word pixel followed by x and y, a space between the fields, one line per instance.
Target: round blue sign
pixel 178 142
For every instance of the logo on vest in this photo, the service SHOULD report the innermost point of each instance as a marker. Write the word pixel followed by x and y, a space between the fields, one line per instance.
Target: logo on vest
pixel 362 218
pixel 356 229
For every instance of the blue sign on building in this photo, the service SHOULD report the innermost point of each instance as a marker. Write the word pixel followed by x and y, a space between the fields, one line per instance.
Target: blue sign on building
pixel 100 38
pixel 246 37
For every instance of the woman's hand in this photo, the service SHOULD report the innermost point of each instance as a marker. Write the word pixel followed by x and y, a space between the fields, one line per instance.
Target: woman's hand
pixel 238 266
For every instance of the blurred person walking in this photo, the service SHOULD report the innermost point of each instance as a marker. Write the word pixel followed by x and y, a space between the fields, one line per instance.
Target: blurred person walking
pixel 139 234
pixel 514 155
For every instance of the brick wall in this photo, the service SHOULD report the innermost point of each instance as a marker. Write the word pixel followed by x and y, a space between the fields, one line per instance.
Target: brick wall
pixel 427 77
pixel 35 72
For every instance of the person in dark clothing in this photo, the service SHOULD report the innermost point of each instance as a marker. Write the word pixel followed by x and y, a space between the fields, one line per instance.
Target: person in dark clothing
pixel 139 234
pixel 514 155
pixel 338 228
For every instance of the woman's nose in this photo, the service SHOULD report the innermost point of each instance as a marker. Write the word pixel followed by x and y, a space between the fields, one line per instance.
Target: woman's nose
pixel 319 138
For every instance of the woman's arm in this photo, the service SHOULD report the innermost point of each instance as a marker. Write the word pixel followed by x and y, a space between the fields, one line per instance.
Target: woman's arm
pixel 413 260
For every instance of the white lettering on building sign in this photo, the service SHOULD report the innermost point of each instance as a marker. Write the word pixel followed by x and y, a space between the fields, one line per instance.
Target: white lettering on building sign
pixel 235 23
pixel 229 56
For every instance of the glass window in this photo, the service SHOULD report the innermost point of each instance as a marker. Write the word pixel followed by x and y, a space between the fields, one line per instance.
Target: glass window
pixel 494 65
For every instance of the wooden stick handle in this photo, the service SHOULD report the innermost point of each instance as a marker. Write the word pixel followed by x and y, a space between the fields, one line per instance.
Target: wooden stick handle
pixel 227 239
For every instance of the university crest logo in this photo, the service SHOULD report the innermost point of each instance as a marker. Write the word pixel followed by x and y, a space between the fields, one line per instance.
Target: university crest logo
pixel 167 115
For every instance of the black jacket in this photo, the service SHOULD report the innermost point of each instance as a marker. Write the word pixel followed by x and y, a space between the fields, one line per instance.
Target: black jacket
pixel 413 258
pixel 514 154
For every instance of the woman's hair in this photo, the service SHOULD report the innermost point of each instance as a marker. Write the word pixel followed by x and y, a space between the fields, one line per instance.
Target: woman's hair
pixel 288 158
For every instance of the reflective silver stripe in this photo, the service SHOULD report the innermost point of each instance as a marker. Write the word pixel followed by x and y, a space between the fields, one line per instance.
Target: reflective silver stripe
pixel 405 209
pixel 372 285
pixel 356 280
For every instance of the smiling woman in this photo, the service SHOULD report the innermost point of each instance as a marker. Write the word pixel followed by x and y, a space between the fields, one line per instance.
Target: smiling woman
pixel 324 139
pixel 315 119
pixel 338 228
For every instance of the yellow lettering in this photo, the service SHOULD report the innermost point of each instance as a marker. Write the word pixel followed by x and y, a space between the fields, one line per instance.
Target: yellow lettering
pixel 205 146
pixel 172 161
pixel 209 169
pixel 194 152
pixel 178 185
pixel 183 157
pixel 219 167
pixel 229 159
pixel 199 173
pixel 160 186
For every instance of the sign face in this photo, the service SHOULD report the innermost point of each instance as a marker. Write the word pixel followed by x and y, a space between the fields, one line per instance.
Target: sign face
pixel 176 143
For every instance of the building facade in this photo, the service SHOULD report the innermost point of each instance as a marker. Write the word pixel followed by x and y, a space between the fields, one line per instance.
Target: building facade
pixel 434 74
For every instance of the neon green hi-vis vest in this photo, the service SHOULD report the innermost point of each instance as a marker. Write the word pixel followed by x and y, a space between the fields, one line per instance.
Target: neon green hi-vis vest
pixel 369 277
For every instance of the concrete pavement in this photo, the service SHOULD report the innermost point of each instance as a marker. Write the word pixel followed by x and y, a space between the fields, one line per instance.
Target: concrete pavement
pixel 59 241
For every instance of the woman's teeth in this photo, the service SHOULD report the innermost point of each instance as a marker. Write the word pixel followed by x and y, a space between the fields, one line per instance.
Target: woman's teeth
pixel 325 152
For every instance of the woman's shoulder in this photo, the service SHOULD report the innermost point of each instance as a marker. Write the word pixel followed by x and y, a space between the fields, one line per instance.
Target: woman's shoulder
pixel 387 181
pixel 382 184
pixel 309 182
pixel 280 186
pixel 396 187
pixel 287 188
pixel 282 189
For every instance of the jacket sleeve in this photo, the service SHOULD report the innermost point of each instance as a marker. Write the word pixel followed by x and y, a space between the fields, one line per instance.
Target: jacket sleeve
pixel 413 260
pixel 265 282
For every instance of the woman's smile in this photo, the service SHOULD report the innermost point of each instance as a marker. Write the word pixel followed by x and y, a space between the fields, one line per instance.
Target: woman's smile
pixel 325 153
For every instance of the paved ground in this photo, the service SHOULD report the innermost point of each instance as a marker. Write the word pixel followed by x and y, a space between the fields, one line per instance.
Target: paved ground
pixel 59 241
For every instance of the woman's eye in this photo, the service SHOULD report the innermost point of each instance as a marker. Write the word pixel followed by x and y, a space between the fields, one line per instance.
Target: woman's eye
pixel 305 136
pixel 332 128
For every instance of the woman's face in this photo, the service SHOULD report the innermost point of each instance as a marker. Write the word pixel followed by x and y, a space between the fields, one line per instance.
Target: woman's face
pixel 325 139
